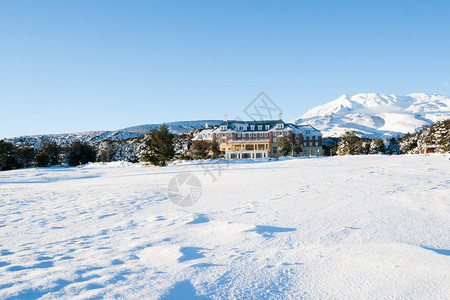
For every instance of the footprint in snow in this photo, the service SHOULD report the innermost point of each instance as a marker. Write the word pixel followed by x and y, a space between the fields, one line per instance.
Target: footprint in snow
pixel 200 218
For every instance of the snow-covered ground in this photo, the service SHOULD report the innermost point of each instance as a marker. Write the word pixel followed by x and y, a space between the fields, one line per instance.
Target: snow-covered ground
pixel 321 228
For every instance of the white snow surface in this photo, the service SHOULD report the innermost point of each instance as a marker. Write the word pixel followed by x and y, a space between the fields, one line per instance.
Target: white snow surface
pixel 377 115
pixel 353 227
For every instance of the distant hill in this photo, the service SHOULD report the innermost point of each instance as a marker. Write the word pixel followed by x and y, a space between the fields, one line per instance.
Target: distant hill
pixel 377 115
pixel 95 137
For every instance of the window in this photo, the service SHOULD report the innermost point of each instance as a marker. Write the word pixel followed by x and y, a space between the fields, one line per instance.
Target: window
pixel 287 133
pixel 267 127
pixel 261 134
pixel 266 134
pixel 280 126
pixel 239 135
pixel 229 134
pixel 304 152
pixel 223 135
pixel 224 127
pixel 223 141
pixel 310 144
pixel 252 127
pixel 274 140
pixel 309 138
pixel 308 131
pixel 274 149
pixel 254 134
pixel 317 144
pixel 280 133
pixel 304 144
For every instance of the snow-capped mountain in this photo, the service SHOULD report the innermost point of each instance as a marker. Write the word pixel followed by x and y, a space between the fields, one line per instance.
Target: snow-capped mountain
pixel 377 115
pixel 95 137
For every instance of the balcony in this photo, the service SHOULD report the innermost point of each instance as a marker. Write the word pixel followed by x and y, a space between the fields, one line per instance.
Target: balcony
pixel 248 140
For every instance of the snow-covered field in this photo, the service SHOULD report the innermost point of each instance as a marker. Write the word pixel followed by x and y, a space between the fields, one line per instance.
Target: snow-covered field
pixel 324 228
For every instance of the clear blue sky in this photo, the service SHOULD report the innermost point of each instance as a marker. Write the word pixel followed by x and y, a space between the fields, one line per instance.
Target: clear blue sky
pixel 70 66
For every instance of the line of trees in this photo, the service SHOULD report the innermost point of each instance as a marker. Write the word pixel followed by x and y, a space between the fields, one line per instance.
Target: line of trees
pixel 202 149
pixel 351 144
pixel 160 146
pixel 47 154
pixel 436 135
pixel 157 148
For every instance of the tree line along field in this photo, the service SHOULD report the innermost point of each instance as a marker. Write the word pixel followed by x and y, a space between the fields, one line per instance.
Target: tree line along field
pixel 160 146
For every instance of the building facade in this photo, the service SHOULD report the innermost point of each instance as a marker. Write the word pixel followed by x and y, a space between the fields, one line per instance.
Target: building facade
pixel 258 139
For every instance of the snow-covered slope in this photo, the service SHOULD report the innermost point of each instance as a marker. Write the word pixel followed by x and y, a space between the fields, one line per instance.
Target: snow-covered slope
pixel 95 137
pixel 356 227
pixel 377 115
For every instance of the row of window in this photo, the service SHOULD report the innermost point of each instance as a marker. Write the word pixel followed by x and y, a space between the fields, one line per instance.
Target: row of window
pixel 265 134
pixel 252 127
pixel 305 144
pixel 204 135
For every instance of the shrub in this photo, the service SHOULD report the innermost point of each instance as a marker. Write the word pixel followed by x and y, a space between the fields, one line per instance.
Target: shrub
pixel 47 154
pixel 285 147
pixel 79 153
pixel 8 156
pixel 25 156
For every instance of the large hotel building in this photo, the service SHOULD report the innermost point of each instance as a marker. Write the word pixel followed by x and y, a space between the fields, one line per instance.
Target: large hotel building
pixel 257 139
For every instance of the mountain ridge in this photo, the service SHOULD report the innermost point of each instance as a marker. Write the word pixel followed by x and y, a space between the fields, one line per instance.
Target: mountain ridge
pixel 377 115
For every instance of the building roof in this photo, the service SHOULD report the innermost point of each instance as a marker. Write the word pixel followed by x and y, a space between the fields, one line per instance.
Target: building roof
pixel 245 126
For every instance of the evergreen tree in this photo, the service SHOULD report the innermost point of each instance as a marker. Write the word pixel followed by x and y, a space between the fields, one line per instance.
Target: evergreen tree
pixel 408 143
pixel 25 155
pixel 285 147
pixel 200 149
pixel 392 146
pixel 297 148
pixel 79 153
pixel 158 147
pixel 364 146
pixel 215 150
pixel 349 144
pixel 106 151
pixel 47 154
pixel 8 156
pixel 377 146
